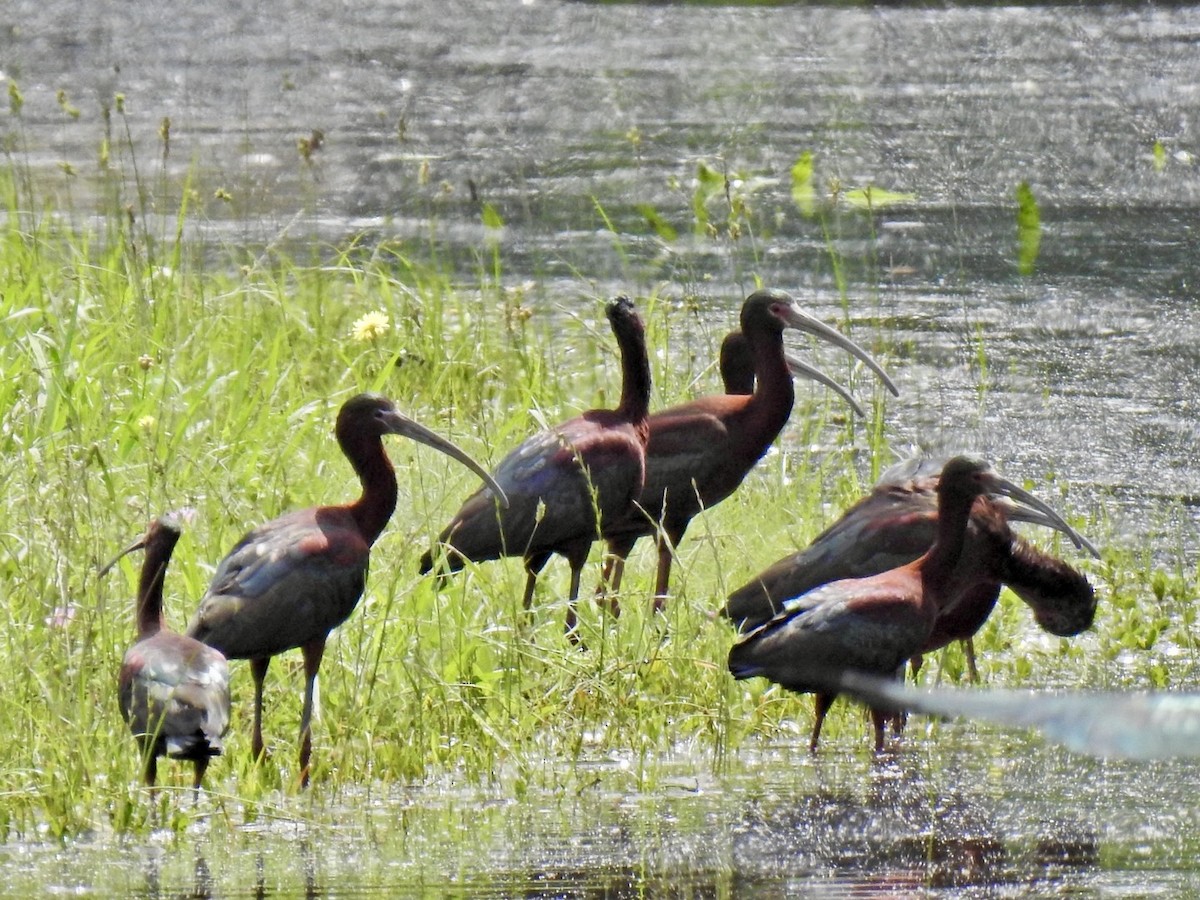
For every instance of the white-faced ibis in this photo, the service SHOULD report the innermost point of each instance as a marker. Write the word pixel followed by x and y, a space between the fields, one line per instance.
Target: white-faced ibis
pixel 290 582
pixel 564 482
pixel 173 690
pixel 1138 725
pixel 735 362
pixel 876 623
pixel 700 452
pixel 895 524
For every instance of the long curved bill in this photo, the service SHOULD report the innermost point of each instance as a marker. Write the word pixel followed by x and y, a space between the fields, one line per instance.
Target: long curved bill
pixel 804 370
pixel 1019 513
pixel 170 521
pixel 1036 511
pixel 406 427
pixel 802 321
pixel 139 544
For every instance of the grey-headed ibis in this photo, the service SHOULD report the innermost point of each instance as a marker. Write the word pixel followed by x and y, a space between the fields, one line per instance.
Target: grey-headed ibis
pixel 700 452
pixel 565 484
pixel 897 522
pixel 290 582
pixel 173 690
pixel 875 623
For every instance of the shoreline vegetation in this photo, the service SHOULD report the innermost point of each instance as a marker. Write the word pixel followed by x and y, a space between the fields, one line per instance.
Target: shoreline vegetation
pixel 141 376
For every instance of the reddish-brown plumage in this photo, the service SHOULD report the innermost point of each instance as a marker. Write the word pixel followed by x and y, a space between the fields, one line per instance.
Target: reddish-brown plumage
pixel 290 582
pixel 875 623
pixel 173 690
pixel 700 452
pixel 895 524
pixel 562 481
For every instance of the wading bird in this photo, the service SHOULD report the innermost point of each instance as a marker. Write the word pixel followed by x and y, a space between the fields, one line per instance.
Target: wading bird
pixel 876 623
pixel 735 362
pixel 565 484
pixel 290 582
pixel 700 452
pixel 736 365
pixel 895 524
pixel 173 690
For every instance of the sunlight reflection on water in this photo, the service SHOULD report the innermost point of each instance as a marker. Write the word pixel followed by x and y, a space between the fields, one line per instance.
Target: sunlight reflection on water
pixel 1087 372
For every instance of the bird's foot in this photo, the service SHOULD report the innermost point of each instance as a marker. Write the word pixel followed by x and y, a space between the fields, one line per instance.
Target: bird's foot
pixel 610 603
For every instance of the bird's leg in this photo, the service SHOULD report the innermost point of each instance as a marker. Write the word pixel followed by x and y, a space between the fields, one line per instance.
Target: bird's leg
pixel 610 580
pixel 533 565
pixel 258 671
pixel 606 571
pixel 972 670
pixel 201 765
pixel 530 584
pixel 663 579
pixel 151 770
pixel 821 708
pixel 313 651
pixel 572 624
pixel 618 573
pixel 915 664
pixel 879 719
pixel 900 716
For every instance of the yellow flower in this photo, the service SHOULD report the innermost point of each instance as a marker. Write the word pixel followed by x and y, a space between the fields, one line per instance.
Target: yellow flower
pixel 147 423
pixel 370 327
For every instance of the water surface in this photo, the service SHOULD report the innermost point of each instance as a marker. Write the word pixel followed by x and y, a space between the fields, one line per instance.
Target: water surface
pixel 569 120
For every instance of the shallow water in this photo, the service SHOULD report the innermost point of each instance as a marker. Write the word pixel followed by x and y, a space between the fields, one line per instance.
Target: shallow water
pixel 1085 371
pixel 974 814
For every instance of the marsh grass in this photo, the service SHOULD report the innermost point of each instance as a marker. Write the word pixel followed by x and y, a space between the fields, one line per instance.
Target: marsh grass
pixel 137 378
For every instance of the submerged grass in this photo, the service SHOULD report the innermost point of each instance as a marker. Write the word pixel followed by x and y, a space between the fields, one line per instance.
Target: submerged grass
pixel 136 379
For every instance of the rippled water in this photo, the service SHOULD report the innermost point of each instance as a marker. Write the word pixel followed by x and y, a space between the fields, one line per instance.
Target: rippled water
pixel 552 111
pixel 1091 363
pixel 970 815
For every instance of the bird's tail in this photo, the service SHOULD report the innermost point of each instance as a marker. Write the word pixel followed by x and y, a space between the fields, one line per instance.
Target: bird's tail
pixel 742 664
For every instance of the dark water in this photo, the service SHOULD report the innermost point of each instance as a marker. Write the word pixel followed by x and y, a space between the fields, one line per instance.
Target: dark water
pixel 551 112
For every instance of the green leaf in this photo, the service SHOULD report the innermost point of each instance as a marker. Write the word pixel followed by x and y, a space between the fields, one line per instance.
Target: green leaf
pixel 710 182
pixel 872 197
pixel 491 218
pixel 1029 229
pixel 660 225
pixel 803 193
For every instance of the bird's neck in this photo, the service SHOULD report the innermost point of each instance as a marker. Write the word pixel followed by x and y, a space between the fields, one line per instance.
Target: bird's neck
pixel 372 510
pixel 951 538
pixel 635 379
pixel 774 394
pixel 150 620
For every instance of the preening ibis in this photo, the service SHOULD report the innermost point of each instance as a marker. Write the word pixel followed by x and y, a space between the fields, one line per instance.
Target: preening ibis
pixel 564 481
pixel 700 452
pixel 895 524
pixel 875 623
pixel 290 582
pixel 173 690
